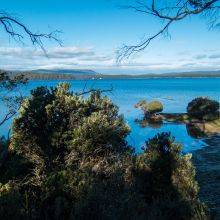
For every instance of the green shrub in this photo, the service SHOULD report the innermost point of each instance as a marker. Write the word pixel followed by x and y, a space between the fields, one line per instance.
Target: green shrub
pixel 154 107
pixel 195 131
pixel 74 144
pixel 203 109
pixel 150 109
pixel 173 185
pixel 81 167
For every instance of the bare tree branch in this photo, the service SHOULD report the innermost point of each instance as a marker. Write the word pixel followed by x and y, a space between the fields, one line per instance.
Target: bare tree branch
pixel 178 11
pixel 95 90
pixel 10 94
pixel 9 24
pixel 18 31
pixel 7 117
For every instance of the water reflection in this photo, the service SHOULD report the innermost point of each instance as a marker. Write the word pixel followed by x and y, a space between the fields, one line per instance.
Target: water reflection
pixel 147 123
pixel 194 131
pixel 173 93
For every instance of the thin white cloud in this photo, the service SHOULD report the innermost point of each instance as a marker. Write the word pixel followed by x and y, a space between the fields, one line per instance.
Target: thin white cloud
pixel 21 58
pixel 200 56
pixel 28 58
pixel 214 56
pixel 57 52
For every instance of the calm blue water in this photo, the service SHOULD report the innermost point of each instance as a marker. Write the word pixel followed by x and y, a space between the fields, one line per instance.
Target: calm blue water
pixel 173 93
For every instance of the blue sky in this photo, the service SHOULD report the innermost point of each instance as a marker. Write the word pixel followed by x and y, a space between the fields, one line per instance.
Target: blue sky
pixel 92 30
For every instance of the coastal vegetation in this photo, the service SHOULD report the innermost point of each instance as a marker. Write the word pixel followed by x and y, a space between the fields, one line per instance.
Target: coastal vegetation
pixel 204 124
pixel 10 95
pixel 72 74
pixel 150 109
pixel 203 108
pixel 68 158
pixel 202 117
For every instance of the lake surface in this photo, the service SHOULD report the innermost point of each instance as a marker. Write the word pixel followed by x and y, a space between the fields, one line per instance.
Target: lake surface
pixel 174 93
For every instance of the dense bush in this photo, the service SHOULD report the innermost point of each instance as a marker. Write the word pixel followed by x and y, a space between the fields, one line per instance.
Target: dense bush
pixel 10 97
pixel 150 109
pixel 203 109
pixel 173 186
pixel 79 165
pixel 155 107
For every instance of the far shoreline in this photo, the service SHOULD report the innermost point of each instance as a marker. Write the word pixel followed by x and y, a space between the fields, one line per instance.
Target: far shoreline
pixel 110 77
pixel 92 75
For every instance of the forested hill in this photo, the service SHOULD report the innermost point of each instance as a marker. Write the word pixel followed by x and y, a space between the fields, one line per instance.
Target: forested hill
pixel 195 74
pixel 67 74
pixel 70 74
pixel 43 74
pixel 65 71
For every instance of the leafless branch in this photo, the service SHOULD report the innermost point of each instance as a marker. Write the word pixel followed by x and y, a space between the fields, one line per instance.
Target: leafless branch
pixel 180 10
pixel 10 94
pixel 18 31
pixel 95 90
pixel 10 24
pixel 7 117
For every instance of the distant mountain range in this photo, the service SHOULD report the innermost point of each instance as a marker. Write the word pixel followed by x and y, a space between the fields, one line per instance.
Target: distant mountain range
pixel 192 74
pixel 68 74
pixel 195 73
pixel 50 74
pixel 65 71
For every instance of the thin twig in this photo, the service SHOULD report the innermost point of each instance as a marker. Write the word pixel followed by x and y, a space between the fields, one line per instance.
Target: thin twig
pixel 10 23
pixel 95 90
pixel 181 10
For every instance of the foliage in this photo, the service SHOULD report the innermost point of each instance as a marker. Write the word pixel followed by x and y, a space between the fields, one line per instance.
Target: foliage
pixel 203 109
pixel 79 165
pixel 9 94
pixel 173 186
pixel 155 107
pixel 150 109
pixel 195 131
